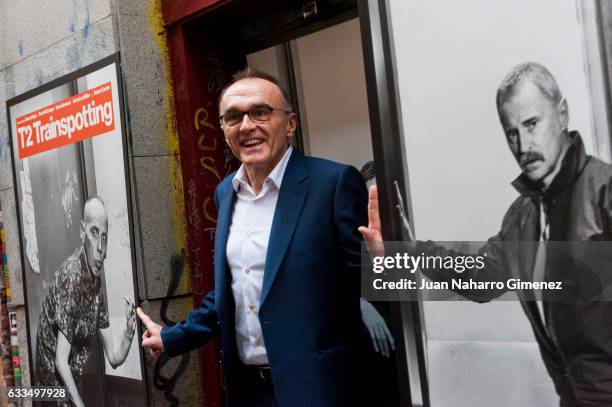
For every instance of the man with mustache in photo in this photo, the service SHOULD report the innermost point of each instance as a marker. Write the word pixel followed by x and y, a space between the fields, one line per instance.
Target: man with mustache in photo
pixel 565 196
pixel 74 311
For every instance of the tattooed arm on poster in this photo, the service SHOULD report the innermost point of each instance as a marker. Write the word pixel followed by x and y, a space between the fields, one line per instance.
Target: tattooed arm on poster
pixel 116 347
pixel 62 352
pixel 116 350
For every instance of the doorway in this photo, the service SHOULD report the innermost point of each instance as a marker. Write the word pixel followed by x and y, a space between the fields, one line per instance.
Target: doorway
pixel 320 52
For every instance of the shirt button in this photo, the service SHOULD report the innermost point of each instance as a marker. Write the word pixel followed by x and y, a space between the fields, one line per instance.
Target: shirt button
pixel 252 307
pixel 258 342
pixel 247 270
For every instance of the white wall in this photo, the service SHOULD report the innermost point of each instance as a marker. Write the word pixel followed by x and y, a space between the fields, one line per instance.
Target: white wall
pixel 334 91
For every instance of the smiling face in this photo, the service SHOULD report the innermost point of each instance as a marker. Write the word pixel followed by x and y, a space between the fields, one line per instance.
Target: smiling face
pixel 536 131
pixel 94 234
pixel 259 146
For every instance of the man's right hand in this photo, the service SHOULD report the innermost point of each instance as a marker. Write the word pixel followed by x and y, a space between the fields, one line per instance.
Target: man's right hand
pixel 151 338
pixel 371 234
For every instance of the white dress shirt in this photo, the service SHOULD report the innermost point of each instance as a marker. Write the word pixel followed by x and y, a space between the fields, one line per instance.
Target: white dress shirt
pixel 247 245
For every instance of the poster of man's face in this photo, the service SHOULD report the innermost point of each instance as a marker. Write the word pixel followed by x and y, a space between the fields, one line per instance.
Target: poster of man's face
pixel 68 144
pixel 465 143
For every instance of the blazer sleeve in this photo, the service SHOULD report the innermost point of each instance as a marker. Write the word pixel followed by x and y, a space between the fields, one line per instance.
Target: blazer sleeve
pixel 201 325
pixel 350 212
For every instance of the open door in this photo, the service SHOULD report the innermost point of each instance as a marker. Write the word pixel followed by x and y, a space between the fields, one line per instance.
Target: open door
pixel 322 50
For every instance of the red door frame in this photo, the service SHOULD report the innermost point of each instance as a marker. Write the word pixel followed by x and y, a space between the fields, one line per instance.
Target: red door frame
pixel 199 70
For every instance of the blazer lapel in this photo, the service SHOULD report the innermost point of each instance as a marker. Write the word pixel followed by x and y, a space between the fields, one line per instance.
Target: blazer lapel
pixel 291 198
pixel 226 208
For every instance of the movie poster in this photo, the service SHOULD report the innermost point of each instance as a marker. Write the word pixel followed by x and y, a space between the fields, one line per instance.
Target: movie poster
pixel 72 191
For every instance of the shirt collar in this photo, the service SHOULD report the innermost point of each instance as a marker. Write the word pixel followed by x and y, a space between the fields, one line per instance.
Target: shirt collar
pixel 275 176
pixel 574 161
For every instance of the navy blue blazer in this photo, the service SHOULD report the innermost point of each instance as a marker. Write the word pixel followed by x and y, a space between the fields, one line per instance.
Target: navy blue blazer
pixel 309 310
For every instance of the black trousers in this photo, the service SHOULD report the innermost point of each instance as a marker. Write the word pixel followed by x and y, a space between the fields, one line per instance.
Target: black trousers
pixel 253 390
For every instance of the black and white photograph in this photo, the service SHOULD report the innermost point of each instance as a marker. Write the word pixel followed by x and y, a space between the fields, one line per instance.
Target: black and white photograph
pixel 506 134
pixel 79 273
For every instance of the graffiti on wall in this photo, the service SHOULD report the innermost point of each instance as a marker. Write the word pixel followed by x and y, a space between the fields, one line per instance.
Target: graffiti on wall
pixel 166 377
pixel 69 195
pixel 160 381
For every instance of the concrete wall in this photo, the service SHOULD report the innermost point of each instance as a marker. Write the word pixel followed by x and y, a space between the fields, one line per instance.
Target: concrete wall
pixel 41 40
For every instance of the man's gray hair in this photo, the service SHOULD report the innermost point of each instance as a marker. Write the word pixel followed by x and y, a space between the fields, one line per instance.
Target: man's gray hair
pixel 537 74
pixel 251 73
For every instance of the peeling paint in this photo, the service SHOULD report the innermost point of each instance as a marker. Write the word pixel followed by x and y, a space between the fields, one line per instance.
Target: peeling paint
pixel 4 155
pixel 87 20
pixel 81 6
pixel 38 77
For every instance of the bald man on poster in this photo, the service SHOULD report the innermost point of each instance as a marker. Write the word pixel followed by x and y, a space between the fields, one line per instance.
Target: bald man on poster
pixel 74 311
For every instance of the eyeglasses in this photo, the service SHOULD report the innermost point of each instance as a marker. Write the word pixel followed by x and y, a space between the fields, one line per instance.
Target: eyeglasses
pixel 259 114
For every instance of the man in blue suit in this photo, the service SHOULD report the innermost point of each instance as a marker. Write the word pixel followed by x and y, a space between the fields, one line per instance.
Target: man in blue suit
pixel 287 263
